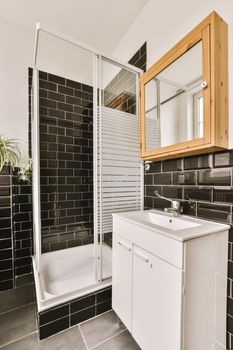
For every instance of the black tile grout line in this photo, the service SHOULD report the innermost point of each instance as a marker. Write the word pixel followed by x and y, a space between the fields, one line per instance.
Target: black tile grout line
pixel 193 186
pixel 103 342
pixel 214 203
pixel 219 169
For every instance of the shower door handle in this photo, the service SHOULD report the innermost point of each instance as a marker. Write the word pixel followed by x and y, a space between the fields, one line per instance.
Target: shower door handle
pixel 124 245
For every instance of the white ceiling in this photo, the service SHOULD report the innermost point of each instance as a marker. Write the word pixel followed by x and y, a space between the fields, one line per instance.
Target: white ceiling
pixel 99 23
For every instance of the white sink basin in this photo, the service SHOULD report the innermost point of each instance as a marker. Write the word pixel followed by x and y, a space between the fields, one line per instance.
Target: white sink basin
pixel 168 222
pixel 180 228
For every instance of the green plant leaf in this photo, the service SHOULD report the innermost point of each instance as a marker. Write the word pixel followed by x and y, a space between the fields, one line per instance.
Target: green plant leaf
pixel 9 152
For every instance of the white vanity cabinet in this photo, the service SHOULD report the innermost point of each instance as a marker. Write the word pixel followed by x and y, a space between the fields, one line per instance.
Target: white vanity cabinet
pixel 156 301
pixel 169 291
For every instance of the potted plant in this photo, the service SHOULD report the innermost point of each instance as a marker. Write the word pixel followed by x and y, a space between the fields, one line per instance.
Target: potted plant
pixel 10 155
pixel 9 152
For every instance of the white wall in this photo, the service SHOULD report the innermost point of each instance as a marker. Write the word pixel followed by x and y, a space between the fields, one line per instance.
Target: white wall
pixel 14 61
pixel 163 23
pixel 16 56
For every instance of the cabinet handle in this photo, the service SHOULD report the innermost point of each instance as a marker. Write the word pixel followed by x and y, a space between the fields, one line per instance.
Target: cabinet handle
pixel 141 256
pixel 124 246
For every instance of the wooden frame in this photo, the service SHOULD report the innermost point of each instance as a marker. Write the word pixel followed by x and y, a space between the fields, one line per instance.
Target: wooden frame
pixel 213 32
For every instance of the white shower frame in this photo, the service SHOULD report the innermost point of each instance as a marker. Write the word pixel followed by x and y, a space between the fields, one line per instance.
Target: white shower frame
pixel 97 56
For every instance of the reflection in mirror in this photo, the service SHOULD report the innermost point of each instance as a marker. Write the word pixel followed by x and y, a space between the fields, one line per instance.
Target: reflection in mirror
pixel 174 102
pixel 152 120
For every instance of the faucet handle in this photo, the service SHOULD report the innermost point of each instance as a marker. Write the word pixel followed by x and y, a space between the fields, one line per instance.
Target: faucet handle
pixel 175 208
pixel 162 197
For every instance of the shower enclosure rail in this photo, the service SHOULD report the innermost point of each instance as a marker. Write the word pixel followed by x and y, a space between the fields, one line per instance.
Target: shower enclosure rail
pixel 79 44
pixel 98 57
pixel 36 168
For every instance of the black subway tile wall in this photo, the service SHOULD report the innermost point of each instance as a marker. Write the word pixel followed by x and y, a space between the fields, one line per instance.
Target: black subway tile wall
pixel 6 238
pixel 139 59
pixel 66 162
pixel 15 229
pixel 216 177
pixel 203 184
pixel 73 312
pixel 223 196
pixel 120 93
pixel 22 225
pixel 197 162
pixel 223 159
pixel 171 165
pixel 198 194
pixel 184 178
pixel 163 179
pixel 220 213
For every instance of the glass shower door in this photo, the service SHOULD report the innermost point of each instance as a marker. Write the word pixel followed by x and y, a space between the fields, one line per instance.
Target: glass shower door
pixel 118 169
pixel 62 151
pixel 66 116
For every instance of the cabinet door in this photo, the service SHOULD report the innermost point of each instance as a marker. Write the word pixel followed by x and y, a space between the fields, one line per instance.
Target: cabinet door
pixel 157 299
pixel 122 279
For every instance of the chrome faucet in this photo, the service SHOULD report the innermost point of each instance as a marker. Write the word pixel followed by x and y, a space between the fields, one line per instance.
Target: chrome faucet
pixel 175 207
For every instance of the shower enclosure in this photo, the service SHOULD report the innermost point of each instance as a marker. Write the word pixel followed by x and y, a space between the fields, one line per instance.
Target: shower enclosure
pixel 87 169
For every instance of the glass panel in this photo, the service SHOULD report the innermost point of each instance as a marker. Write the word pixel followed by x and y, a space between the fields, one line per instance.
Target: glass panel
pixel 119 156
pixel 118 88
pixel 174 102
pixel 66 145
pixel 152 121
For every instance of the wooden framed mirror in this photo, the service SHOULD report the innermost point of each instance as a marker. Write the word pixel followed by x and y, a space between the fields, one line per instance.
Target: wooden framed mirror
pixel 184 96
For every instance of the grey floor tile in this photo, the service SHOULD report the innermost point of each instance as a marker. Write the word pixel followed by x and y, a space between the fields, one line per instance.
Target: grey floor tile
pixel 101 328
pixel 67 340
pixel 122 341
pixel 18 297
pixel 18 323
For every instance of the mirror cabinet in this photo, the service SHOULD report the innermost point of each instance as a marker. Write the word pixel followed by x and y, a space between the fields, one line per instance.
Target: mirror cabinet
pixel 184 96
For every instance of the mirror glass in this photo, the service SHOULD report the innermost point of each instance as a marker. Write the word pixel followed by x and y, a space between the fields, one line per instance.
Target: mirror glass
pixel 174 102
